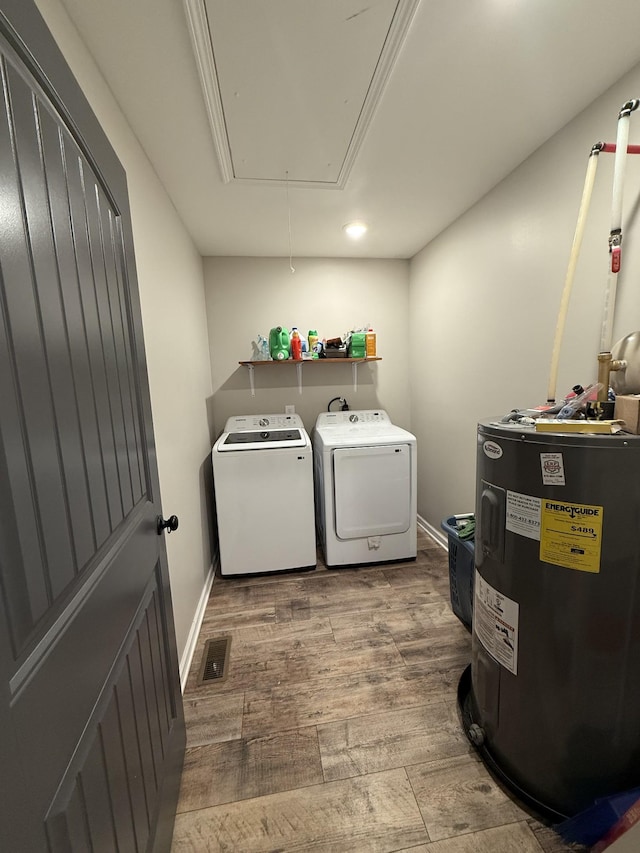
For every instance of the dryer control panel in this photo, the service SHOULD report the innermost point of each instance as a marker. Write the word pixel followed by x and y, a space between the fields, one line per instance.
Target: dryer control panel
pixel 365 416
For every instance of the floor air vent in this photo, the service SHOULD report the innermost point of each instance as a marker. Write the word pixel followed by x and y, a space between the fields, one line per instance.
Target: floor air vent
pixel 215 661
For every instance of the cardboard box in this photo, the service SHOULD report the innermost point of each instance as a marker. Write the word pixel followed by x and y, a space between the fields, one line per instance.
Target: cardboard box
pixel 628 410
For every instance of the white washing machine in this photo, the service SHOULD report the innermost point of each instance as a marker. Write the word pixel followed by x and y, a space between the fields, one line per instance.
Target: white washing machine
pixel 263 483
pixel 365 486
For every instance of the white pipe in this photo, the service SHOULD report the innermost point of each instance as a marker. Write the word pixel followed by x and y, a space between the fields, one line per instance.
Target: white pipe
pixel 622 141
pixel 606 333
pixel 589 180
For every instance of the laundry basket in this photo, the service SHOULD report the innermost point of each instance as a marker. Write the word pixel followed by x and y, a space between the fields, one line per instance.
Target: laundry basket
pixel 461 568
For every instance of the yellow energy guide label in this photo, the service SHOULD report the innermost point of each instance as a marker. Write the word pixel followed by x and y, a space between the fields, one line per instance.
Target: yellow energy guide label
pixel 571 535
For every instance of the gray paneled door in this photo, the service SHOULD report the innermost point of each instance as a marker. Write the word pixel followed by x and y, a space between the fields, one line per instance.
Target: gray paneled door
pixel 91 724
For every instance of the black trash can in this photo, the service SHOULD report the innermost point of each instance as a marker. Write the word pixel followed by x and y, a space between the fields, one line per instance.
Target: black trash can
pixel 461 568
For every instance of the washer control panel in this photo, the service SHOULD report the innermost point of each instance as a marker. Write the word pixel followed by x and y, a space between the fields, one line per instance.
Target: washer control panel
pixel 258 423
pixel 290 437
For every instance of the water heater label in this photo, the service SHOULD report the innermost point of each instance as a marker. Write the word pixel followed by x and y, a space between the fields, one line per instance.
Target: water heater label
pixel 523 515
pixel 495 623
pixel 571 535
pixel 552 469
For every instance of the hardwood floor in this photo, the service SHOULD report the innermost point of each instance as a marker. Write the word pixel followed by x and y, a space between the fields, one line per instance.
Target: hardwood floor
pixel 336 729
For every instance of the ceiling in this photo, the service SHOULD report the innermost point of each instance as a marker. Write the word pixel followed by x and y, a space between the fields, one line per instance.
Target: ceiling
pixel 272 123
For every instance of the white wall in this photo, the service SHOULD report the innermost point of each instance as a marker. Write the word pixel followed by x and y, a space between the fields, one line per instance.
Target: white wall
pixel 247 296
pixel 484 298
pixel 173 311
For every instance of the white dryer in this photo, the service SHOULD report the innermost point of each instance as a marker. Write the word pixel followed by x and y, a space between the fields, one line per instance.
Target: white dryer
pixel 263 483
pixel 365 486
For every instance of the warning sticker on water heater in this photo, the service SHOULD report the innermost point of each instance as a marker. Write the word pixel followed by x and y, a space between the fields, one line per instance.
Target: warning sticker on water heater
pixel 495 623
pixel 571 535
pixel 523 515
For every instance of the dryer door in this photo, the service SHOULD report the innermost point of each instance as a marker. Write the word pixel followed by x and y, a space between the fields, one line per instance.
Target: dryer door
pixel 372 490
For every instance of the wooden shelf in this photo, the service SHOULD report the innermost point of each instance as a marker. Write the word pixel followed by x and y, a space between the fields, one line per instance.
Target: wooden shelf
pixel 354 362
pixel 298 361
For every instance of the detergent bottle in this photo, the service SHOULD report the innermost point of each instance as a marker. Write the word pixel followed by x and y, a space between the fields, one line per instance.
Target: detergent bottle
pixel 296 344
pixel 279 343
pixel 370 343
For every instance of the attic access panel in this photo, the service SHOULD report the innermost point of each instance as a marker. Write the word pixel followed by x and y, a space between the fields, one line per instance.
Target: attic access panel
pixel 291 85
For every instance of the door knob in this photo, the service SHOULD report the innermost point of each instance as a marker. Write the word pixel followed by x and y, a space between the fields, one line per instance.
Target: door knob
pixel 170 523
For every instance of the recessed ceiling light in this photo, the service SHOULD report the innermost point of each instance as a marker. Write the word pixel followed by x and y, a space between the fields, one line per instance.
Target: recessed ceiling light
pixel 355 230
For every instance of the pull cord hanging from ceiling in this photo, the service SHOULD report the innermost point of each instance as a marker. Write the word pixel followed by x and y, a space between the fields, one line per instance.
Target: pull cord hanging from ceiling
pixel 291 266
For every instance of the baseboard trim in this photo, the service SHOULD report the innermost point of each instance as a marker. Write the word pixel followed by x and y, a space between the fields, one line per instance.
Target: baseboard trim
pixel 437 535
pixel 192 639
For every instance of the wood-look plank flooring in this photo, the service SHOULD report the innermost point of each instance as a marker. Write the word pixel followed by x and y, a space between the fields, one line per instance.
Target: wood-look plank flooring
pixel 336 730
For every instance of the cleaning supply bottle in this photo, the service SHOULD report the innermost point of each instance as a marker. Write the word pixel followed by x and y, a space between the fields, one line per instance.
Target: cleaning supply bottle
pixel 296 344
pixel 356 345
pixel 263 353
pixel 312 339
pixel 279 343
pixel 370 344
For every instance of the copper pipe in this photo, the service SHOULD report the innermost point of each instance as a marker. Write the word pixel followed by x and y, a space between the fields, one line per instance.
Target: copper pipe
pixel 606 363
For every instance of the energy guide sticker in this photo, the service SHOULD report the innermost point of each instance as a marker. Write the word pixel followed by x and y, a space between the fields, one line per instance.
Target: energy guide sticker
pixel 495 623
pixel 571 535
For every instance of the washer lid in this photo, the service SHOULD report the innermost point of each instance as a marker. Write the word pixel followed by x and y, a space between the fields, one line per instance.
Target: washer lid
pixel 261 440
